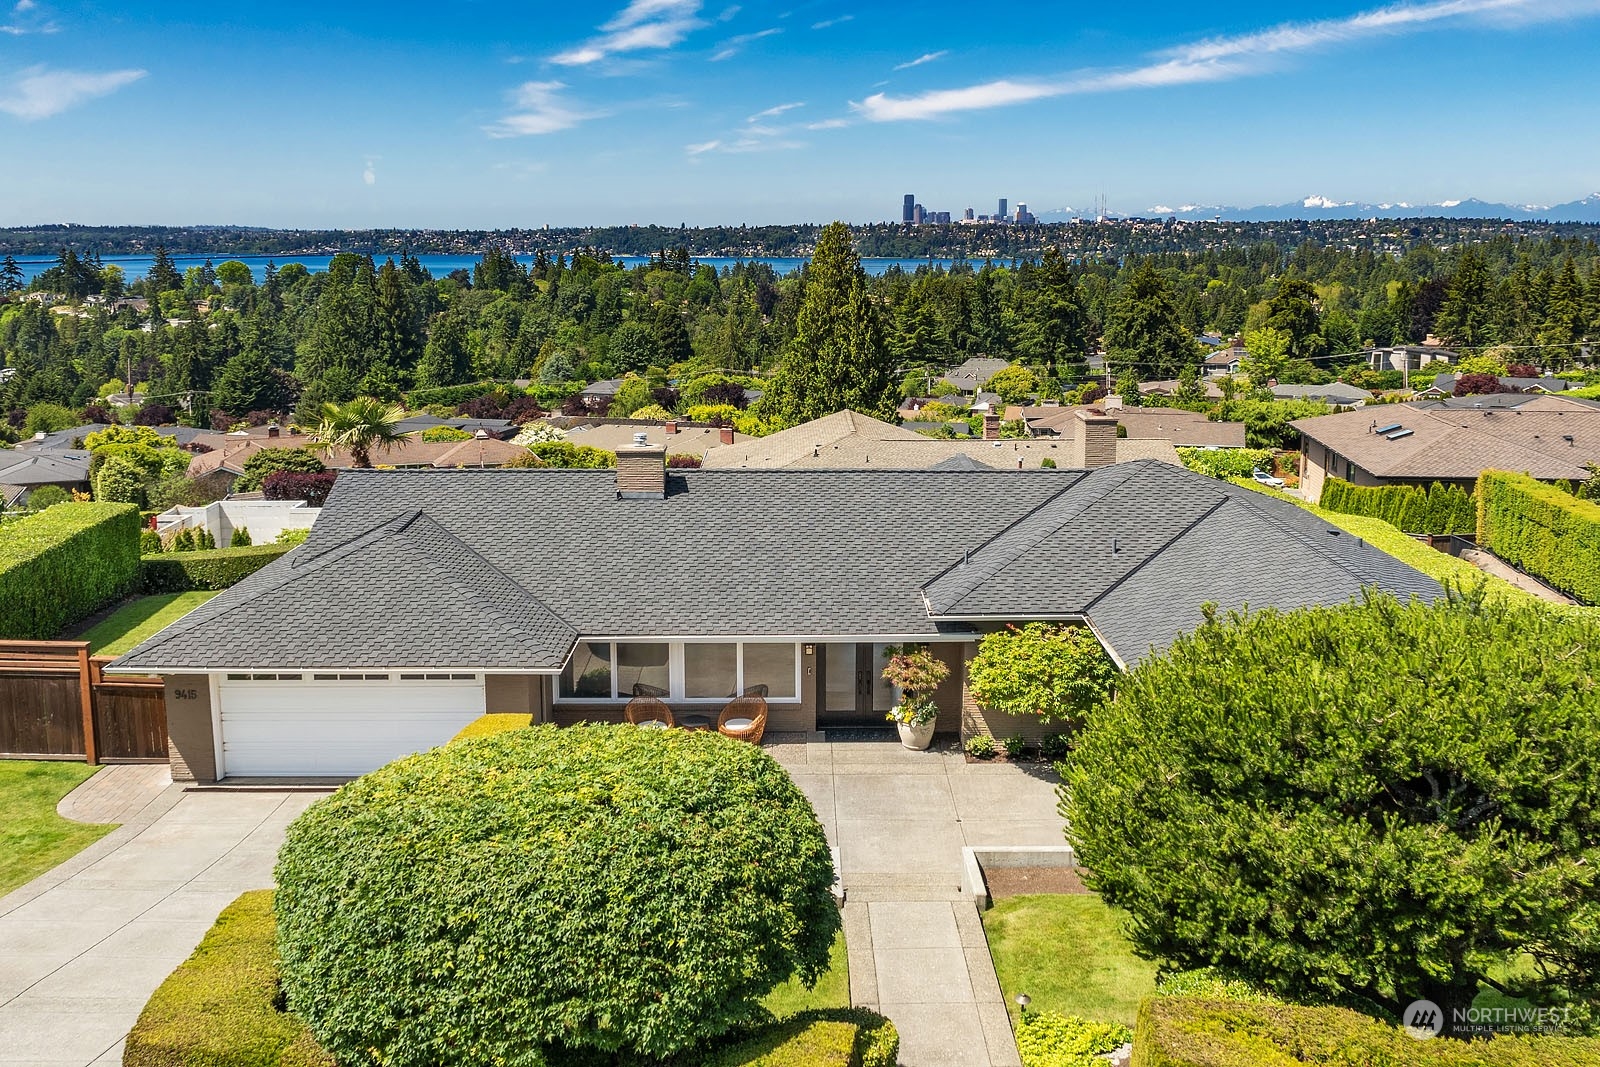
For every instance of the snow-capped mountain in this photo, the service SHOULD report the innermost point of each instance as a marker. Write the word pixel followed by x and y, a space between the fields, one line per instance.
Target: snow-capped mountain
pixel 1322 207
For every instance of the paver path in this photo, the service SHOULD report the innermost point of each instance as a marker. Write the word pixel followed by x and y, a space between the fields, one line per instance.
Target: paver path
pixel 116 793
pixel 917 949
pixel 83 946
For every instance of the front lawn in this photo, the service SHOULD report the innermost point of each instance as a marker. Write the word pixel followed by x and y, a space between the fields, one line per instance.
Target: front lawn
pixel 832 991
pixel 33 838
pixel 1067 952
pixel 138 619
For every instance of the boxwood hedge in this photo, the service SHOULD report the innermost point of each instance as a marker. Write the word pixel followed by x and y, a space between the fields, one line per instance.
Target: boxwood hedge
pixel 602 889
pixel 218 1008
pixel 1184 1032
pixel 64 564
pixel 216 568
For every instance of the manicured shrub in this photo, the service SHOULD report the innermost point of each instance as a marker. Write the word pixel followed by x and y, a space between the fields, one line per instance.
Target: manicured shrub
pixel 567 454
pixel 240 538
pixel 851 1037
pixel 1226 462
pixel 628 892
pixel 217 568
pixel 59 565
pixel 493 723
pixel 445 433
pixel 1409 808
pixel 1552 535
pixel 259 467
pixel 1185 1032
pixel 293 485
pixel 1056 673
pixel 218 1008
pixel 1046 1039
pixel 150 543
pixel 1437 509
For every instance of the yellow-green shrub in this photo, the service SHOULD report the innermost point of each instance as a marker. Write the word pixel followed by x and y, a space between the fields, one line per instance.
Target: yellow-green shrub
pixel 491 724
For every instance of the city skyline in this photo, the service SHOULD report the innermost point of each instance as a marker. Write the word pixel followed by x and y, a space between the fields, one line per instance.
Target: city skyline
pixel 669 111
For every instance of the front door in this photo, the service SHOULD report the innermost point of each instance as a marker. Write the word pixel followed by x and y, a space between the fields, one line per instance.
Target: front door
pixel 852 689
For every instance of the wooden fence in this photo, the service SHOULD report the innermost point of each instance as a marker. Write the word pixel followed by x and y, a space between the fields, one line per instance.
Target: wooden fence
pixel 57 703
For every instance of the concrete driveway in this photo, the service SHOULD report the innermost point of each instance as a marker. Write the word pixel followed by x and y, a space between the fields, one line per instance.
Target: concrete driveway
pixel 83 946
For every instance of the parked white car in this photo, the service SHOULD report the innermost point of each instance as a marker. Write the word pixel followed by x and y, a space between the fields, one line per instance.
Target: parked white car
pixel 1267 479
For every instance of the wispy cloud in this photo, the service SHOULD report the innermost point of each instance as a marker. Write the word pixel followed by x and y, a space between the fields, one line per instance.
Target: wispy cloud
pixel 828 124
pixel 1222 58
pixel 538 108
pixel 774 112
pixel 641 26
pixel 39 92
pixel 369 174
pixel 702 148
pixel 27 17
pixel 927 57
pixel 734 45
pixel 825 23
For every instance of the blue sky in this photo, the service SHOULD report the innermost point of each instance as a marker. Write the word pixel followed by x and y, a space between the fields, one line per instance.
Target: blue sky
pixel 490 114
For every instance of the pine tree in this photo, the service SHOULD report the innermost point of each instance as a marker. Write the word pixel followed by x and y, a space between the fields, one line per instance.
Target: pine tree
pixel 1051 327
pixel 10 276
pixel 837 358
pixel 163 276
pixel 671 335
pixel 1565 316
pixel 1144 331
pixel 248 383
pixel 447 360
pixel 1466 316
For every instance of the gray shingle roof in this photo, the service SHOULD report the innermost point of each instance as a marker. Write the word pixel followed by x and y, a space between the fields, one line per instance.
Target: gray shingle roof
pixel 505 568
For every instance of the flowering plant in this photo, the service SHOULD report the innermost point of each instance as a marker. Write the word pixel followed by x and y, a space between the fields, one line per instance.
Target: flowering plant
pixel 917 673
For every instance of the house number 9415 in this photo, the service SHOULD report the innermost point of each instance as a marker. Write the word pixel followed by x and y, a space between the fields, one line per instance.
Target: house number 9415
pixel 186 694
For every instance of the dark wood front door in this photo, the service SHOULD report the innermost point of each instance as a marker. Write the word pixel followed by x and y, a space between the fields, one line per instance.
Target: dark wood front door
pixel 851 690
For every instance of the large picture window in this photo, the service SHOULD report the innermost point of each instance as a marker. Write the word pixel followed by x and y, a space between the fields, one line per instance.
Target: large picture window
pixel 711 671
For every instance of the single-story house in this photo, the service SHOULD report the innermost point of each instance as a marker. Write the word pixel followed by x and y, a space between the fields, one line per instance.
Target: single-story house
pixel 1165 387
pixel 1451 440
pixel 681 438
pixel 493 427
pixel 265 519
pixel 596 392
pixel 1334 394
pixel 1445 385
pixel 425 598
pixel 413 452
pixel 851 440
pixel 1184 428
pixel 23 472
pixel 975 373
pixel 72 438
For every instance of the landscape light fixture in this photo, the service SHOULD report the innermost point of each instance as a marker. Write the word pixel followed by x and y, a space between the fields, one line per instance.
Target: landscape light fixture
pixel 1023 1000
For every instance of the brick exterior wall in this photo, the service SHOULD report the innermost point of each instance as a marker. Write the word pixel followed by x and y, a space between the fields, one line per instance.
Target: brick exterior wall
pixel 642 471
pixel 191 746
pixel 1097 434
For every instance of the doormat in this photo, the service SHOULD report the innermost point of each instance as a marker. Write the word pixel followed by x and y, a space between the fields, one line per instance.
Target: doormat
pixel 860 734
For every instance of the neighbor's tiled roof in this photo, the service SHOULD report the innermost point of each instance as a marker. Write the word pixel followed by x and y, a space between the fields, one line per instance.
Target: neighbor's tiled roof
pixel 1177 425
pixel 53 467
pixel 507 567
pixel 689 440
pixel 1459 439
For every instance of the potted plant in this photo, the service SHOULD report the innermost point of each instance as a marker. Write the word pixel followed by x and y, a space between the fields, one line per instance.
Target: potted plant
pixel 916 673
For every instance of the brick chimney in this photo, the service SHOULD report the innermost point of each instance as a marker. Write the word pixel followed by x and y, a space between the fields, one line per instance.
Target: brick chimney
pixel 642 470
pixel 672 425
pixel 725 433
pixel 991 426
pixel 1096 434
pixel 272 429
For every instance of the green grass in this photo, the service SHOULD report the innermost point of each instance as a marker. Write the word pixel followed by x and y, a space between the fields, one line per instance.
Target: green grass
pixel 832 991
pixel 33 838
pixel 138 619
pixel 1067 952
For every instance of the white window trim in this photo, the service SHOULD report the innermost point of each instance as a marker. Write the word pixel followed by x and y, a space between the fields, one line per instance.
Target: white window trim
pixel 675 671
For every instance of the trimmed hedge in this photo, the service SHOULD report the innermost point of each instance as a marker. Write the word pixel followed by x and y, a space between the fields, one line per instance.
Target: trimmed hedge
pixel 1184 1032
pixel 216 568
pixel 496 722
pixel 1047 1039
pixel 593 889
pixel 1226 462
pixel 63 564
pixel 218 1008
pixel 1438 509
pixel 222 1008
pixel 1551 534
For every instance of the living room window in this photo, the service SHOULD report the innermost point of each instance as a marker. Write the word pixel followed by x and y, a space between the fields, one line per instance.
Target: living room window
pixel 712 671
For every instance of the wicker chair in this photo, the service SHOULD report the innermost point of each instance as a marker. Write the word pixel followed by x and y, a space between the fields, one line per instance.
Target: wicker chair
pixel 745 718
pixel 645 709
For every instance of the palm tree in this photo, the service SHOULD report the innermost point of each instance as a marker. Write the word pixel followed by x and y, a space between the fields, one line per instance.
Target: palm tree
pixel 359 426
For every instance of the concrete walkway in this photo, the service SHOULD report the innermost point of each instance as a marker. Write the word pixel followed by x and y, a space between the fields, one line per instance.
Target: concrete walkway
pixel 83 946
pixel 916 944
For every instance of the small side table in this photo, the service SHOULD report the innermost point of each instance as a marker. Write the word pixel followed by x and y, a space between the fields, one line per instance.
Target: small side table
pixel 696 722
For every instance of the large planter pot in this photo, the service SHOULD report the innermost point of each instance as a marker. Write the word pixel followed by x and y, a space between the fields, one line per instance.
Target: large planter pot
pixel 919 736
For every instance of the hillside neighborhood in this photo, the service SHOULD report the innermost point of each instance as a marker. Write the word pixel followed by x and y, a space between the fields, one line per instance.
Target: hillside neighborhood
pixel 866 708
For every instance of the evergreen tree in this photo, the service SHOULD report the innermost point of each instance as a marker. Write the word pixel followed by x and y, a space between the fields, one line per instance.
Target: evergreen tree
pixel 10 276
pixel 838 358
pixel 1051 328
pixel 447 359
pixel 163 276
pixel 671 335
pixel 1293 310
pixel 1464 318
pixel 249 383
pixel 397 335
pixel 1144 331
pixel 1565 316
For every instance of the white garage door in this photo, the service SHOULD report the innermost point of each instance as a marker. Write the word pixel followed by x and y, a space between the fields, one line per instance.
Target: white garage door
pixel 327 725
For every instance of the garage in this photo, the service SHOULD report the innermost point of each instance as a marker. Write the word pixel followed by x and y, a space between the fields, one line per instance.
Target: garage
pixel 337 725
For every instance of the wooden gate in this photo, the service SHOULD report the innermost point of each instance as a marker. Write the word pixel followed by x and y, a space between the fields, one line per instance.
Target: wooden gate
pixel 56 703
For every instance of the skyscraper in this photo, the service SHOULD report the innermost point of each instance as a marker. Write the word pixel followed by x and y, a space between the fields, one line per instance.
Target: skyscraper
pixel 909 212
pixel 1002 213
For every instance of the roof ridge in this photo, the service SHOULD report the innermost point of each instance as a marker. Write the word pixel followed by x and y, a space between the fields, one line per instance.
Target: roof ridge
pixel 1142 564
pixel 1319 547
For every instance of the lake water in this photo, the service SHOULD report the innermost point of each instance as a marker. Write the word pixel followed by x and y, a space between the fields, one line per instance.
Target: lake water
pixel 134 267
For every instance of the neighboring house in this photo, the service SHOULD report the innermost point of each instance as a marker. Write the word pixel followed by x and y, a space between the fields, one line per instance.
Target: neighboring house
pixel 849 440
pixel 493 427
pixel 1334 394
pixel 1444 384
pixel 975 373
pixel 413 452
pixel 265 519
pixel 1408 358
pixel 1451 440
pixel 984 402
pixel 221 466
pixel 1168 386
pixel 424 599
pixel 680 438
pixel 1181 427
pixel 911 407
pixel 595 393
pixel 183 436
pixel 1209 340
pixel 23 472
pixel 1225 362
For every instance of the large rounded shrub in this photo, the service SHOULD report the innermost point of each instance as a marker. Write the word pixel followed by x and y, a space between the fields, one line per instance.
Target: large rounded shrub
pixel 1392 802
pixel 500 900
